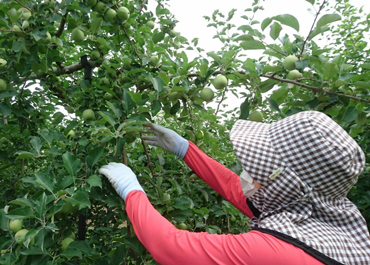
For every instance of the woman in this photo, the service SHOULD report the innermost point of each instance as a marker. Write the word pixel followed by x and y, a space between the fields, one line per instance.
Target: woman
pixel 296 175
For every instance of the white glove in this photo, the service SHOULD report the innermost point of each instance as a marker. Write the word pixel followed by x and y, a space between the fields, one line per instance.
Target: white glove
pixel 121 177
pixel 166 139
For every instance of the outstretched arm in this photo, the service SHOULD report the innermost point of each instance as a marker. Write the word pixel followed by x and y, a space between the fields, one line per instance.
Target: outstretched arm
pixel 224 181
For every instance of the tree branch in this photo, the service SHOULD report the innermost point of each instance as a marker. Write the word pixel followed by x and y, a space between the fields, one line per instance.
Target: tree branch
pixel 222 99
pixel 314 89
pixel 142 5
pixel 313 24
pixel 61 26
pixel 20 3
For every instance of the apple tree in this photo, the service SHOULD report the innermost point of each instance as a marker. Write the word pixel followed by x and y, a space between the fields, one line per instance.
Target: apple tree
pixel 78 79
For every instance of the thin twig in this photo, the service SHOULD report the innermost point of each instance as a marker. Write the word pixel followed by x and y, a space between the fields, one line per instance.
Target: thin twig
pixel 313 24
pixel 315 89
pixel 147 155
pixel 19 2
pixel 222 99
pixel 132 45
pixel 61 26
pixel 142 5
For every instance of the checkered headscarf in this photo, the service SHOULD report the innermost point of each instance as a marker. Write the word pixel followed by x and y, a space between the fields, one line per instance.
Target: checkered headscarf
pixel 319 163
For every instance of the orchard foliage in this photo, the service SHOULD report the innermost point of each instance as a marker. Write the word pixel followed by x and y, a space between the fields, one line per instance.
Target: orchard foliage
pixel 61 58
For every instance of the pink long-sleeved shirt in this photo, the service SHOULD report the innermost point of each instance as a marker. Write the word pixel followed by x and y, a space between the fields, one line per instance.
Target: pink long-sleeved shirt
pixel 169 245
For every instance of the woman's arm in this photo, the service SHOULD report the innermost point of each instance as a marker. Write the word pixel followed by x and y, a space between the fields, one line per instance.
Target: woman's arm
pixel 224 181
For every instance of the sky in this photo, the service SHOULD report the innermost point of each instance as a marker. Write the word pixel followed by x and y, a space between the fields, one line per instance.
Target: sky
pixel 192 24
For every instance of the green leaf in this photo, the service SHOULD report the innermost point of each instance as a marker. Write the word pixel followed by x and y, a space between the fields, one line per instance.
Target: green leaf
pixel 96 24
pixel 327 19
pixel 252 45
pixel 57 118
pixel 71 163
pixel 36 144
pixel 157 83
pixel 312 2
pixel 47 137
pixel 116 110
pixel 22 202
pixel 275 30
pixel 81 199
pixel 70 253
pixel 157 37
pixel 108 117
pixel 17 46
pixel 215 57
pixel 350 114
pixel 45 181
pixel 318 31
pixel 273 104
pixel 94 181
pixel 94 156
pixel 165 78
pixel 288 20
pixel 244 110
pixel 330 70
pixel 21 213
pixel 4 110
pixel 267 85
pixel 265 23
pixel 136 97
pixel 25 155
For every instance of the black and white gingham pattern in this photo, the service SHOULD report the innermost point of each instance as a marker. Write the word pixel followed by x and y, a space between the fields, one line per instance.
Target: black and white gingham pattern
pixel 307 201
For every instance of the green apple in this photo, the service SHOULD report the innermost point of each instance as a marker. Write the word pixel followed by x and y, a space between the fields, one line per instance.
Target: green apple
pixel 182 226
pixel 16 28
pixel 108 96
pixel 166 197
pixel 15 225
pixel 88 115
pixel 173 96
pixel 3 63
pixel 13 15
pixel 110 15
pixel 48 37
pixel 94 55
pixel 3 85
pixel 255 116
pixel 20 236
pixel 173 33
pixel 220 82
pixel 71 134
pixel 123 13
pixel 3 140
pixel 25 24
pixel 150 24
pixel 100 7
pixel 200 135
pixel 65 243
pixel 25 13
pixel 77 35
pixel 104 81
pixel 207 94
pixel 289 62
pixel 293 75
pixel 154 60
pixel 91 3
pixel 130 137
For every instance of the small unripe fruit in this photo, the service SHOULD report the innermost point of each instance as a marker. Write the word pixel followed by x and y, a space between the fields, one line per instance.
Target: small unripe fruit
pixel 166 197
pixel 3 85
pixel 110 15
pixel 255 116
pixel 20 236
pixel 150 24
pixel 104 81
pixel 173 33
pixel 88 115
pixel 65 243
pixel 293 75
pixel 3 63
pixel 100 7
pixel 220 82
pixel 94 55
pixel 71 134
pixel 26 14
pixel 123 13
pixel 16 28
pixel 154 60
pixel 207 94
pixel 182 226
pixel 91 3
pixel 173 96
pixel 25 24
pixel 15 225
pixel 289 62
pixel 108 96
pixel 77 35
